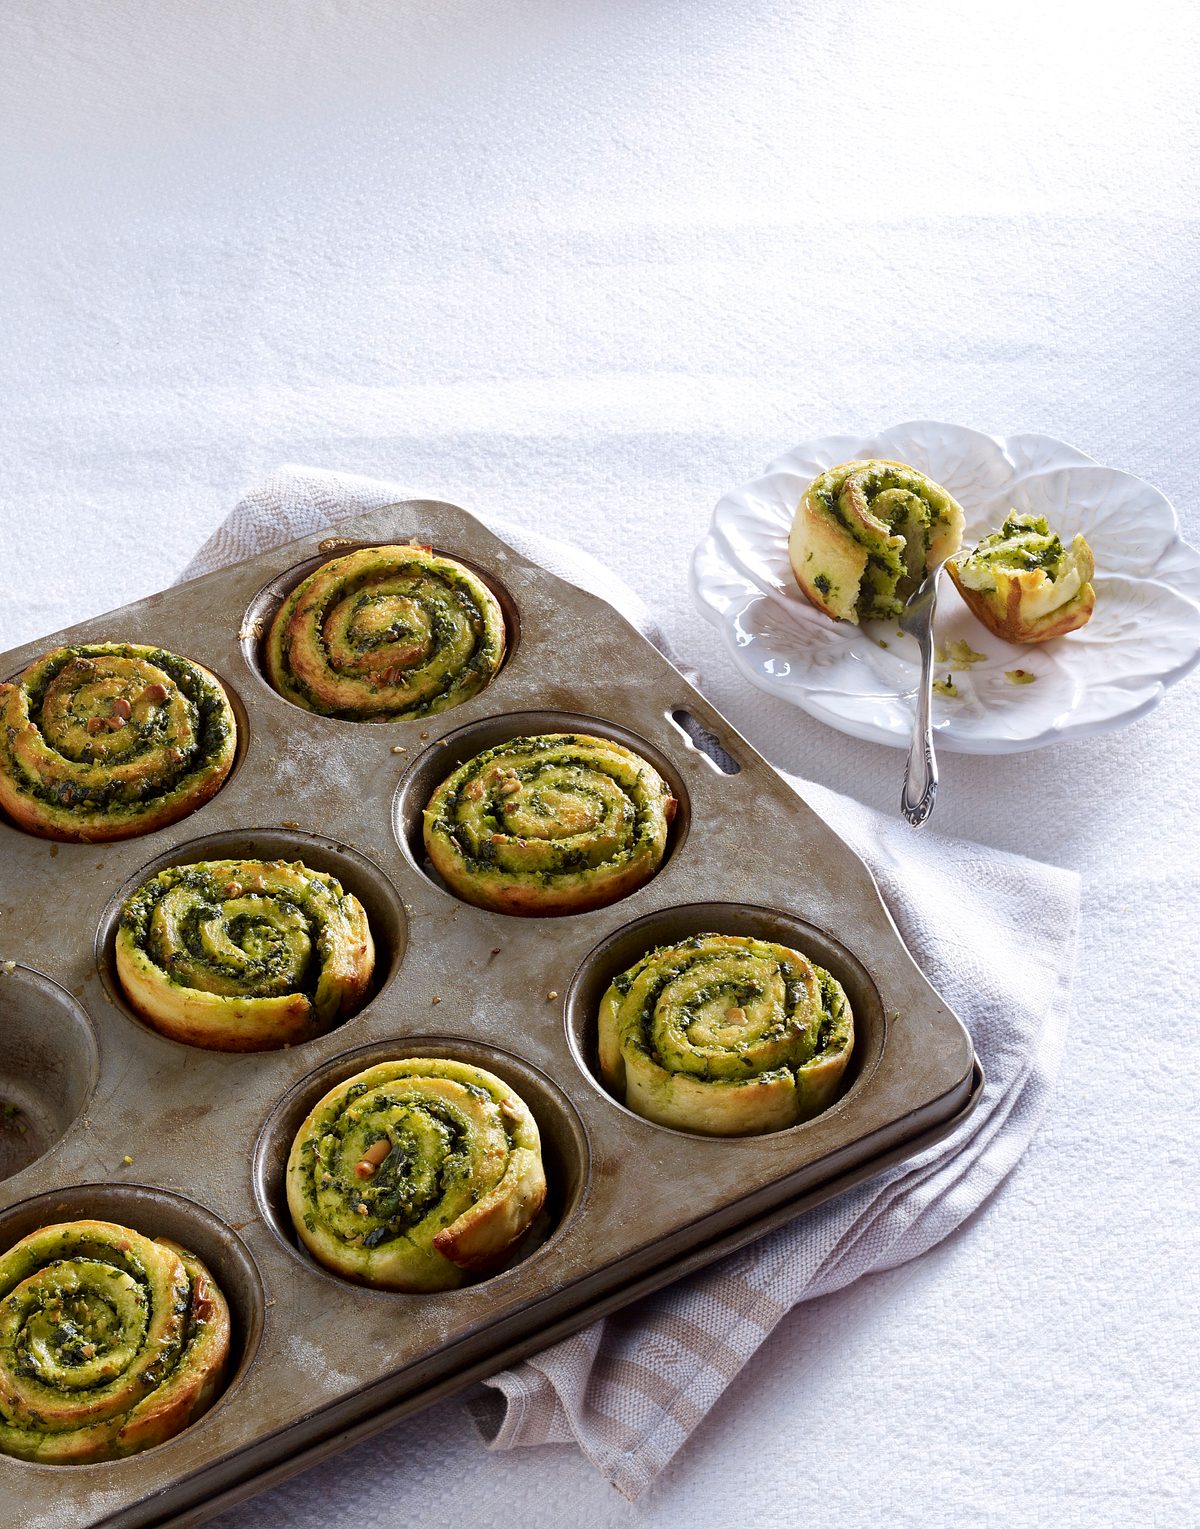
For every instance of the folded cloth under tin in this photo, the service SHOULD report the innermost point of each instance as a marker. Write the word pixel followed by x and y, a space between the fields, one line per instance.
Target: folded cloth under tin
pixel 995 934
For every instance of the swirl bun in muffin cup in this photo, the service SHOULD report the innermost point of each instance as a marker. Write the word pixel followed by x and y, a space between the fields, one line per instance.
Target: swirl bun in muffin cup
pixel 243 955
pixel 725 1034
pixel 105 741
pixel 416 1174
pixel 385 634
pixel 549 824
pixel 110 1342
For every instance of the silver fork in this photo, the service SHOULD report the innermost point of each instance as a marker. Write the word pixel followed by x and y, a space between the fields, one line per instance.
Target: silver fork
pixel 920 772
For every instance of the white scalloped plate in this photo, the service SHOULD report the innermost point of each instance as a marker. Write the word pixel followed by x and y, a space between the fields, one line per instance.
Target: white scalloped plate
pixel 1143 637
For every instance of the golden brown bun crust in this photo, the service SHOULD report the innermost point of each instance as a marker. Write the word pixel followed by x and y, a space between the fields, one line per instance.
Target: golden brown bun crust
pixel 819 548
pixel 146 1351
pixel 549 823
pixel 211 987
pixel 381 1195
pixel 432 636
pixel 1012 626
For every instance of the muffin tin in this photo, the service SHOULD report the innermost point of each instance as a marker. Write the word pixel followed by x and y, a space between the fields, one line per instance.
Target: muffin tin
pixel 632 1205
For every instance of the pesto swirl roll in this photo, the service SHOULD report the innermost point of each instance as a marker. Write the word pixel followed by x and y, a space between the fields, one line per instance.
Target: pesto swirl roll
pixel 1023 584
pixel 110 1342
pixel 243 955
pixel 107 740
pixel 383 634
pixel 416 1174
pixel 555 823
pixel 866 533
pixel 725 1034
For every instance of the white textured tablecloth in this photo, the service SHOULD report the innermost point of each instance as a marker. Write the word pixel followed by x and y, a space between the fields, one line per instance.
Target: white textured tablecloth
pixel 584 264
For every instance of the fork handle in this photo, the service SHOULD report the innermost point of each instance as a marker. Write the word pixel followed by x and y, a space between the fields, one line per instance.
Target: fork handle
pixel 920 772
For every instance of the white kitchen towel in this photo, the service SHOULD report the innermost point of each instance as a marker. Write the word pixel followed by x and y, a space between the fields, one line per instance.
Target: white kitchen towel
pixel 995 934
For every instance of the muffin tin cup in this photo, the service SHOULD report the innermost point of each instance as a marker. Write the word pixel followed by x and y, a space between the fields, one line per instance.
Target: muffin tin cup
pixel 431 768
pixel 632 1205
pixel 668 926
pixel 564 1141
pixel 156 1213
pixel 49 1063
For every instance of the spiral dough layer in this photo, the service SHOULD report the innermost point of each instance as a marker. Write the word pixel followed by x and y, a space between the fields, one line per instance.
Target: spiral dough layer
pixel 103 741
pixel 244 955
pixel 555 823
pixel 725 1034
pixel 109 1342
pixel 383 634
pixel 416 1174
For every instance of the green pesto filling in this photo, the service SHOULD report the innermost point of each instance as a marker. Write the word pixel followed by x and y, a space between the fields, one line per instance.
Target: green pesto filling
pixel 479 664
pixel 411 1181
pixel 907 505
pixel 1023 544
pixel 210 716
pixel 80 1324
pixel 567 861
pixel 271 967
pixel 806 1042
